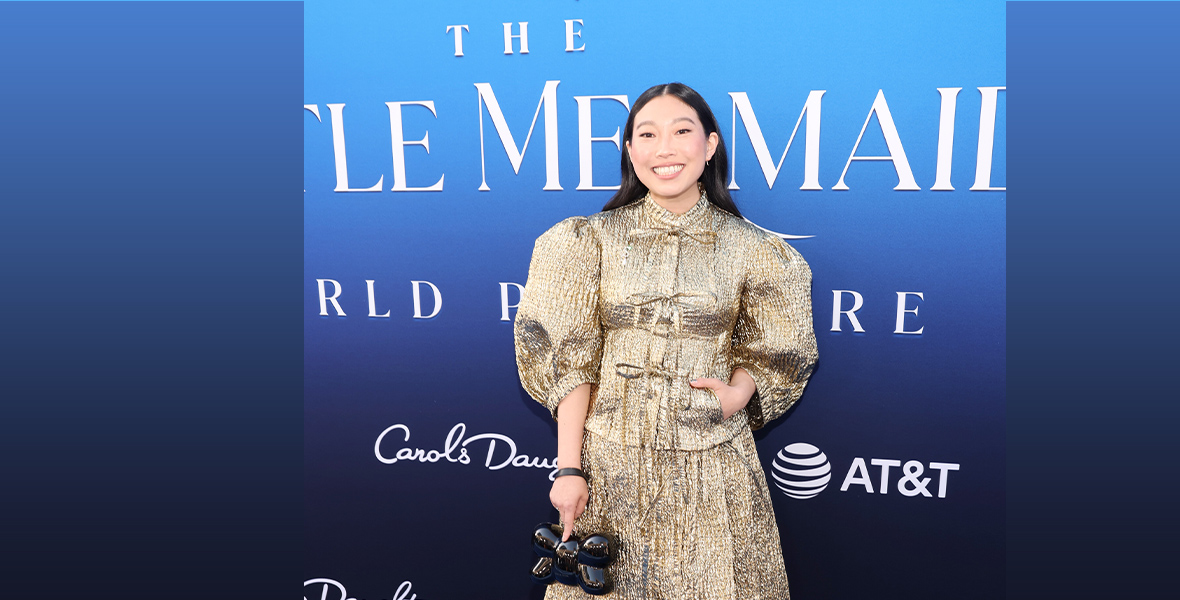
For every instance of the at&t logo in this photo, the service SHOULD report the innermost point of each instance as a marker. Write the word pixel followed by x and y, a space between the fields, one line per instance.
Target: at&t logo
pixel 802 471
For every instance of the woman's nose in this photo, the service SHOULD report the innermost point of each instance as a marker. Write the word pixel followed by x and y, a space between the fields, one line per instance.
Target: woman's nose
pixel 665 148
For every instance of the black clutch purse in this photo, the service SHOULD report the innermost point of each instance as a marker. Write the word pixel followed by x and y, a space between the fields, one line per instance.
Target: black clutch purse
pixel 580 562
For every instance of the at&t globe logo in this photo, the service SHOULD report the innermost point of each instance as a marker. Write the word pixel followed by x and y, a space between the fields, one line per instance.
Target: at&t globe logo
pixel 801 471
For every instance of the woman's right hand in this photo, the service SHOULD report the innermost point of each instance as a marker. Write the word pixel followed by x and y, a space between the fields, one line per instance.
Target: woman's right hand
pixel 569 496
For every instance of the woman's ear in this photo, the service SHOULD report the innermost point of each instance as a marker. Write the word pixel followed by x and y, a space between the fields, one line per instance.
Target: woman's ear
pixel 711 144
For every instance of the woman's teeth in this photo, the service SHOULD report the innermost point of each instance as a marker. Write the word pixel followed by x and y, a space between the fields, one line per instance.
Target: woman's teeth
pixel 668 170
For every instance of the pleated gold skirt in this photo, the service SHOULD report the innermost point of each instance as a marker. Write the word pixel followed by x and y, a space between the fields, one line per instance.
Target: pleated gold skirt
pixel 690 524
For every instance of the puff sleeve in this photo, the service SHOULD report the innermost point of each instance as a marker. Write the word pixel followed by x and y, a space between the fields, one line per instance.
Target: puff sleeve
pixel 773 339
pixel 557 329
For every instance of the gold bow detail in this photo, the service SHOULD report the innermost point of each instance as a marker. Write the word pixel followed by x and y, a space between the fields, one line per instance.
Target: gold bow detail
pixel 629 371
pixel 697 300
pixel 703 236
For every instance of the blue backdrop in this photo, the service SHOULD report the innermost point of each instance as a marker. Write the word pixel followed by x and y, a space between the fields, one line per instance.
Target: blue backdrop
pixel 420 445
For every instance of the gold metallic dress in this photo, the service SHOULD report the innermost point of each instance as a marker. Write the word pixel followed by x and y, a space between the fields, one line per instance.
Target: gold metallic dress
pixel 638 301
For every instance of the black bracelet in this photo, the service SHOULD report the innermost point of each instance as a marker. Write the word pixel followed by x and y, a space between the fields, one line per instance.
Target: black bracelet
pixel 570 471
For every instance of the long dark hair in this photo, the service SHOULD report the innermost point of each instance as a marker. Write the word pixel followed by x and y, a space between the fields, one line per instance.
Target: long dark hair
pixel 716 171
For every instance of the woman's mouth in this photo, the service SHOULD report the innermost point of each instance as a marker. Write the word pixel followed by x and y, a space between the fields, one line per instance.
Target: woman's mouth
pixel 668 170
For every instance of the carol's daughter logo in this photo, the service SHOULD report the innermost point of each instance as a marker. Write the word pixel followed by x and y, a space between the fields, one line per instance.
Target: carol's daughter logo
pixel 454 449
pixel 330 589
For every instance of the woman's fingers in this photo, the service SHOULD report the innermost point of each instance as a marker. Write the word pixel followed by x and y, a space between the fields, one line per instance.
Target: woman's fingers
pixel 567 523
pixel 707 382
pixel 569 496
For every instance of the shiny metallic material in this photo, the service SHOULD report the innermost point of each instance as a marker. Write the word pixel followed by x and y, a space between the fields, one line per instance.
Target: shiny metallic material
pixel 638 301
pixel 546 537
pixel 595 581
pixel 573 563
pixel 565 565
pixel 596 550
pixel 542 572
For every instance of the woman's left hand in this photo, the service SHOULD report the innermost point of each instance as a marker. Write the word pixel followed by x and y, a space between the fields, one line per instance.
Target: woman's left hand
pixel 732 396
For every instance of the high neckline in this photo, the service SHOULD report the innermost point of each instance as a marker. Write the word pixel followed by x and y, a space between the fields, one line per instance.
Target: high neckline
pixel 655 213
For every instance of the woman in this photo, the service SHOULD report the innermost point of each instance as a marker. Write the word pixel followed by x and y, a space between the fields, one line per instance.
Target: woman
pixel 659 333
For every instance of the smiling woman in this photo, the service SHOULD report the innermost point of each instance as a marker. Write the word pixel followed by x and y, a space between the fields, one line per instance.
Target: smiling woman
pixel 668 150
pixel 659 333
pixel 671 128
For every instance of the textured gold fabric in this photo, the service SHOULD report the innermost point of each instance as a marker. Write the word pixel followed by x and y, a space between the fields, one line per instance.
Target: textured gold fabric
pixel 639 301
pixel 711 535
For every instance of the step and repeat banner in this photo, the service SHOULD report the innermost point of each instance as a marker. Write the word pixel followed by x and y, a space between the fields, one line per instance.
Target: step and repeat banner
pixel 441 138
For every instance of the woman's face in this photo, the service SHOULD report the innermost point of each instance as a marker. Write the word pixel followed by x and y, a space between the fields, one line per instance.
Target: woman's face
pixel 668 150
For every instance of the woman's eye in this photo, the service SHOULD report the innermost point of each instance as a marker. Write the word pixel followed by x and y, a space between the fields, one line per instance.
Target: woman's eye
pixel 684 131
pixel 646 134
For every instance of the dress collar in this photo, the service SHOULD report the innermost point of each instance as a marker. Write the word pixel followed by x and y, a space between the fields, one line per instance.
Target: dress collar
pixel 654 214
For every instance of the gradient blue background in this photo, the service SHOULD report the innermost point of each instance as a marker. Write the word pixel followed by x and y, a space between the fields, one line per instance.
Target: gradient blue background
pixel 1092 420
pixel 150 241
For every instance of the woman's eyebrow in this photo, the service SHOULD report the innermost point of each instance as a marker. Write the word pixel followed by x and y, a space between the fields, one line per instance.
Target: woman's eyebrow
pixel 677 119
